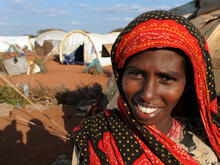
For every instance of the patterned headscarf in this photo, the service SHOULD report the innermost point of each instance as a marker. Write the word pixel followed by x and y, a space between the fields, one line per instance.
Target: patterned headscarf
pixel 158 29
pixel 114 136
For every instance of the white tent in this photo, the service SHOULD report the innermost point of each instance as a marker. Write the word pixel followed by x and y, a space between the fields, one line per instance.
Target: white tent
pixel 32 41
pixel 21 41
pixel 4 45
pixel 53 35
pixel 48 42
pixel 91 43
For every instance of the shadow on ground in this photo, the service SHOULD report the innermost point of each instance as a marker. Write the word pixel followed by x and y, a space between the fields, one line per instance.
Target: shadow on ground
pixel 34 144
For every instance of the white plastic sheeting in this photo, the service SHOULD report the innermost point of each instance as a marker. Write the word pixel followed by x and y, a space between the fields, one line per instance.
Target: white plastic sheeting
pixel 16 66
pixel 56 35
pixel 21 41
pixel 4 45
pixel 101 39
pixel 32 41
pixel 92 45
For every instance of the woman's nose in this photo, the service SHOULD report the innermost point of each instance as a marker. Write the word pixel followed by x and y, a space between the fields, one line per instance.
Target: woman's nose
pixel 149 90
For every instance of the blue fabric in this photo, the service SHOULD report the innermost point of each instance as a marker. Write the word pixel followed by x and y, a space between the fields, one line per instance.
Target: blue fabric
pixel 70 59
pixel 94 64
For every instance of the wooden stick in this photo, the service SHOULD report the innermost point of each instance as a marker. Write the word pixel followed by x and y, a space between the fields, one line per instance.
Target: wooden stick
pixel 37 107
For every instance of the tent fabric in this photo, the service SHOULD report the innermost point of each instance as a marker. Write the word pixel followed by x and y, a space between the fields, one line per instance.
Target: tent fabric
pixel 21 41
pixel 92 43
pixel 50 35
pixel 16 65
pixel 209 26
pixel 187 10
pixel 45 49
pixel 206 6
pixel 32 41
pixel 48 43
pixel 4 45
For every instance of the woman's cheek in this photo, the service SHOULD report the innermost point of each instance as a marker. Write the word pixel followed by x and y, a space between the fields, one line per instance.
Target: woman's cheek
pixel 130 87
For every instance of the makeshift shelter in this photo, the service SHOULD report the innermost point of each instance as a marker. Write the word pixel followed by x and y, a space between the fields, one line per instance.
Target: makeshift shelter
pixel 209 25
pixel 4 46
pixel 20 41
pixel 85 47
pixel 187 10
pixel 32 41
pixel 205 15
pixel 16 65
pixel 46 43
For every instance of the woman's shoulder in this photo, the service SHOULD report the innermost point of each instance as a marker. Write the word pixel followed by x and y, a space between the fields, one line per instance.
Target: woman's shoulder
pixel 101 116
pixel 94 127
pixel 98 120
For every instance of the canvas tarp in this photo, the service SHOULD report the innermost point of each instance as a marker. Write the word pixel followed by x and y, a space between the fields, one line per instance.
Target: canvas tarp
pixel 16 65
pixel 20 41
pixel 187 10
pixel 195 8
pixel 48 43
pixel 44 49
pixel 91 43
pixel 209 26
pixel 52 35
pixel 207 6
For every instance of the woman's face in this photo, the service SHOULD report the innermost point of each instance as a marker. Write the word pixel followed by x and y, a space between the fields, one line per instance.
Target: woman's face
pixel 153 82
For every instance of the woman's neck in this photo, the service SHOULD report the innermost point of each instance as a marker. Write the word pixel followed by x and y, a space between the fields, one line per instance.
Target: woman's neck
pixel 165 125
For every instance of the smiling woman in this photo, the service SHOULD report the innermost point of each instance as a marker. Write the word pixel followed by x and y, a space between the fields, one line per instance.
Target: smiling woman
pixel 167 107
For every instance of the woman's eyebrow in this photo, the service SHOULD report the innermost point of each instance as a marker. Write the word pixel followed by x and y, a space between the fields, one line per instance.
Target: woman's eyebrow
pixel 129 67
pixel 169 73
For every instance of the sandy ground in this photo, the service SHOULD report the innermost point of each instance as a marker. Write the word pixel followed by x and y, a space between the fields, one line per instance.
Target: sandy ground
pixel 41 141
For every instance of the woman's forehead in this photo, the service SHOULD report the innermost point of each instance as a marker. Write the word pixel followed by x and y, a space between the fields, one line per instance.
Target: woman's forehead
pixel 159 58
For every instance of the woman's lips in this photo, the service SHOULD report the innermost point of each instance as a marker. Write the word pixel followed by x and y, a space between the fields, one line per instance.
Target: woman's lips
pixel 146 114
pixel 147 109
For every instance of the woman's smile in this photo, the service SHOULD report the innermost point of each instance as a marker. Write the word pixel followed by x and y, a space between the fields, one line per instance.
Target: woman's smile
pixel 146 112
pixel 147 109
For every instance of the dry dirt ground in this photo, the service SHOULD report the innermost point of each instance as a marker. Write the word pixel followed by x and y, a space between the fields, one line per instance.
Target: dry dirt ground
pixel 30 137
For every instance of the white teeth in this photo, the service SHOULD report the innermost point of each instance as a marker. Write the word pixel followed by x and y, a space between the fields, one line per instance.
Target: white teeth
pixel 146 110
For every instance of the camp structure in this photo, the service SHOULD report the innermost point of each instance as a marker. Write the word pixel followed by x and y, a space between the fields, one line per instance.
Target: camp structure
pixel 20 42
pixel 48 43
pixel 209 26
pixel 81 47
pixel 205 15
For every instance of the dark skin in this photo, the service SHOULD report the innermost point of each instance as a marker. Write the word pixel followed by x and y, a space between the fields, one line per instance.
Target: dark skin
pixel 153 82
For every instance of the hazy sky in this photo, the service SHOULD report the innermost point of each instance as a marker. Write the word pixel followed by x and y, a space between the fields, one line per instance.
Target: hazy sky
pixel 19 17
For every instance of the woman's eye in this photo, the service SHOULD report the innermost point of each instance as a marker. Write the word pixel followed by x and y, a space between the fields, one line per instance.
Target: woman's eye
pixel 166 79
pixel 136 75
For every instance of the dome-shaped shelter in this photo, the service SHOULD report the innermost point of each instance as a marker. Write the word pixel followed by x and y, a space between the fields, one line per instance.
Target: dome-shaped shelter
pixel 48 41
pixel 85 47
